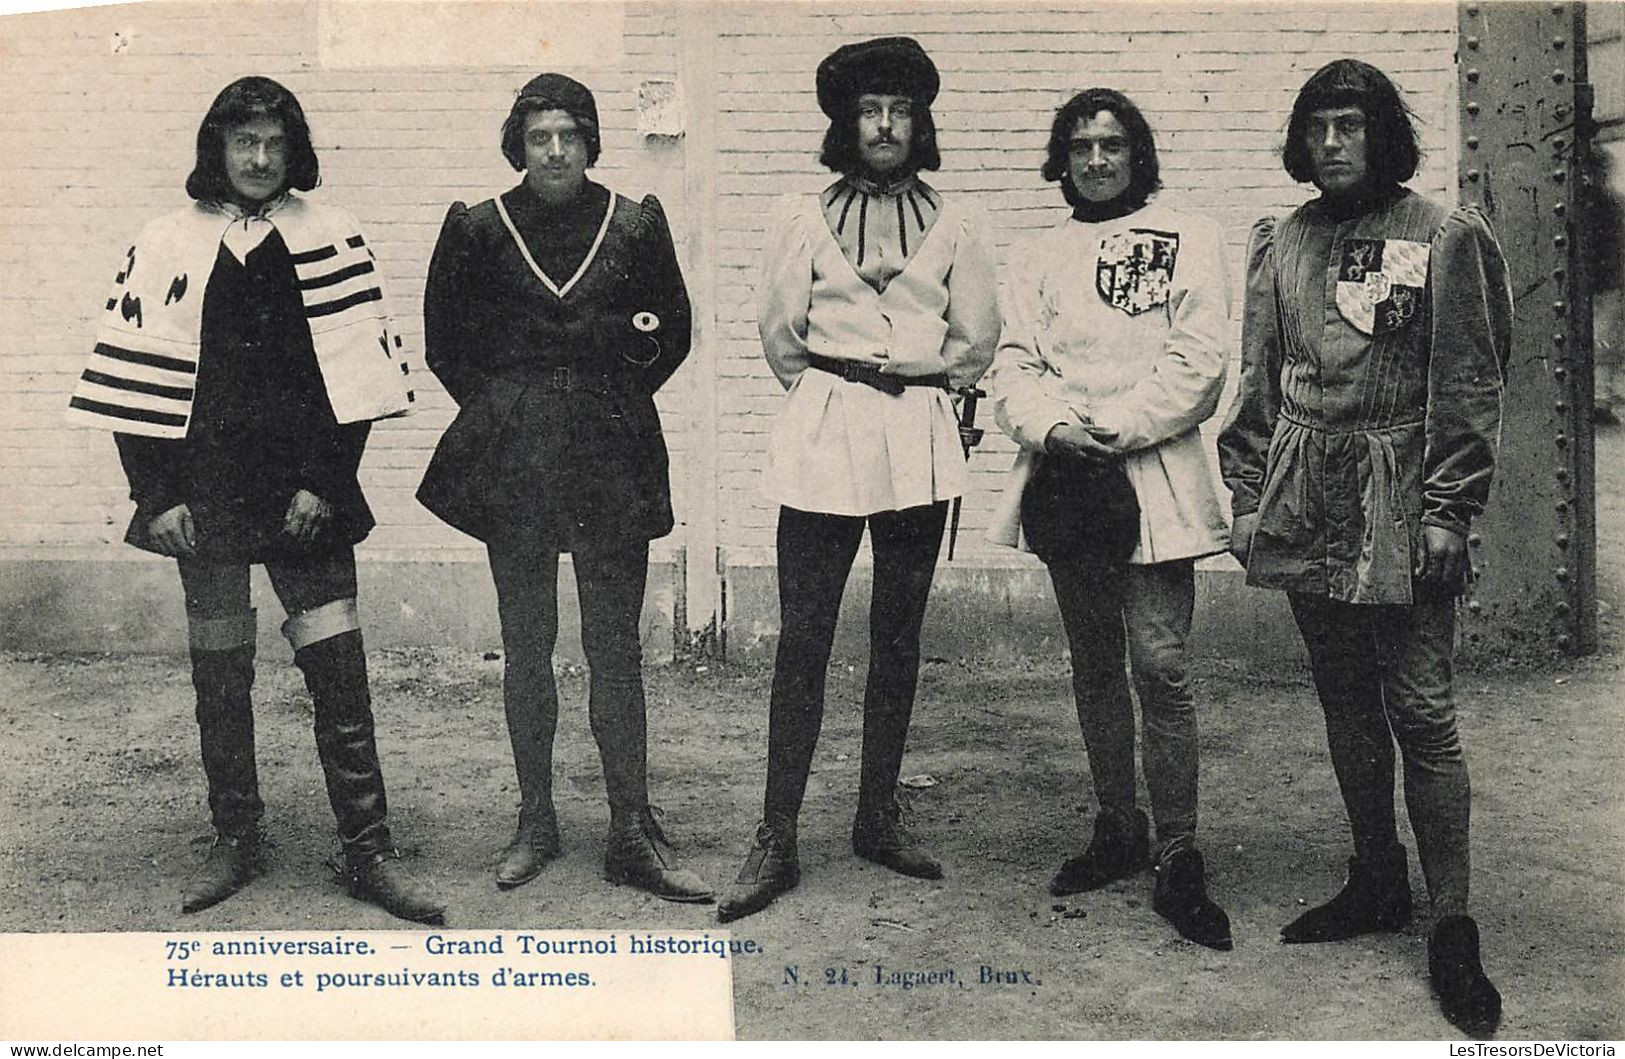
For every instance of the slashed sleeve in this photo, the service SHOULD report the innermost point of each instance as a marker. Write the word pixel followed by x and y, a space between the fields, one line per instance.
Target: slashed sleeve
pixel 1471 301
pixel 1244 441
pixel 1182 391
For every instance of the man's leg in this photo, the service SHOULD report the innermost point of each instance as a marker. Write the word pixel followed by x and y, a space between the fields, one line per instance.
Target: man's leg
pixel 1157 609
pixel 1341 640
pixel 906 544
pixel 815 553
pixel 1090 597
pixel 221 632
pixel 526 576
pixel 610 585
pixel 325 632
pixel 1417 649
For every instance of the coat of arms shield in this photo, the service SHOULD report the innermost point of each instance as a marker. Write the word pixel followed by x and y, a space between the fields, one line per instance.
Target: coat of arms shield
pixel 1136 269
pixel 1380 283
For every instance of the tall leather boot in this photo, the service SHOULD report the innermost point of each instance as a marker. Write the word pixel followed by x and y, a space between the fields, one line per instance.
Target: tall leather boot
pixel 223 680
pixel 335 672
pixel 531 703
pixel 637 852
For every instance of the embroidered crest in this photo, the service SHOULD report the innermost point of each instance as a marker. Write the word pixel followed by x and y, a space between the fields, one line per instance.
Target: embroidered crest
pixel 1136 269
pixel 1380 283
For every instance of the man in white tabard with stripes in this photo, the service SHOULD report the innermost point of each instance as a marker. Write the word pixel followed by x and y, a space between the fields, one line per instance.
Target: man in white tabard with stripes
pixel 240 362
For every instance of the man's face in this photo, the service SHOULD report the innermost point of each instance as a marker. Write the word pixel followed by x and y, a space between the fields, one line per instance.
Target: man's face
pixel 885 131
pixel 257 160
pixel 1100 158
pixel 555 155
pixel 1335 138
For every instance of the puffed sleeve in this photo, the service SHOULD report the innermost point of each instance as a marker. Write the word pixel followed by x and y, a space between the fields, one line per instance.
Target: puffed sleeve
pixel 1021 406
pixel 661 284
pixel 448 331
pixel 784 293
pixel 1182 391
pixel 1471 300
pixel 1244 443
pixel 973 307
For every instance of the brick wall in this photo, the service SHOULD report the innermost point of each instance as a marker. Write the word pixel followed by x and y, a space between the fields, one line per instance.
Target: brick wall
pixel 98 108
pixel 1215 81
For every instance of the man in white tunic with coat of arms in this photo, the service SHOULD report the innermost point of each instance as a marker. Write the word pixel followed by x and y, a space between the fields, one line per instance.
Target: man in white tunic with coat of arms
pixel 1113 353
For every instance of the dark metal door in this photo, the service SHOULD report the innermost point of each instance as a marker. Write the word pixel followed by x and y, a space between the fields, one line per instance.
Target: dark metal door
pixel 1525 122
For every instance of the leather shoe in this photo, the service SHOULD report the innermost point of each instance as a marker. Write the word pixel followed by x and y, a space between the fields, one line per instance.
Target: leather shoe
pixel 1181 898
pixel 1375 897
pixel 640 855
pixel 1112 855
pixel 232 862
pixel 771 868
pixel 878 835
pixel 535 844
pixel 381 879
pixel 1469 999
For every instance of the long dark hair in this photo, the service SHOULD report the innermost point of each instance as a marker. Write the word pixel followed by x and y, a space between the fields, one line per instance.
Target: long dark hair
pixel 1392 150
pixel 244 100
pixel 1146 176
pixel 840 149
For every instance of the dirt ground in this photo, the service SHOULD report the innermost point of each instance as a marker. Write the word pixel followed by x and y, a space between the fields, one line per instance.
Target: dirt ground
pixel 102 816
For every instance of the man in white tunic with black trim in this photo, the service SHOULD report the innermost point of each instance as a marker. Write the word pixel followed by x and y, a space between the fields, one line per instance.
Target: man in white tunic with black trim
pixel 240 361
pixel 877 300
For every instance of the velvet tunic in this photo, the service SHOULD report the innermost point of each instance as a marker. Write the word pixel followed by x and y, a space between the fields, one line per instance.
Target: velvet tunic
pixel 552 327
pixel 1373 353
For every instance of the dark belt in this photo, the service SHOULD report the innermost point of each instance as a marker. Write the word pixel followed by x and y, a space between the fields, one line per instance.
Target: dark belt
pixel 869 375
pixel 562 378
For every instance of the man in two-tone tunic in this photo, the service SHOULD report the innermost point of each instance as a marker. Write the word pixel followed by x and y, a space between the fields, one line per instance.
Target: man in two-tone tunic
pixel 239 362
pixel 1358 452
pixel 877 298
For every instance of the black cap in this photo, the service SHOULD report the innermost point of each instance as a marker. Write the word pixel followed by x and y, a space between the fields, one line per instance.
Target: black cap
pixel 886 65
pixel 550 92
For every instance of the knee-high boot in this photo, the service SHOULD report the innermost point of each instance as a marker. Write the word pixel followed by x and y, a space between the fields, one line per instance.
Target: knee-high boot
pixel 335 670
pixel 223 680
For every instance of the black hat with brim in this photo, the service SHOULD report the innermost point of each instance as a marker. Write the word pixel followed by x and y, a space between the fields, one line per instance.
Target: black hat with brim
pixel 885 66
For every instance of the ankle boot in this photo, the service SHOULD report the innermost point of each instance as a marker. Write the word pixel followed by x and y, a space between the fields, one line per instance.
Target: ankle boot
pixel 233 861
pixel 638 854
pixel 1181 898
pixel 1467 996
pixel 224 681
pixel 380 879
pixel 1375 897
pixel 530 704
pixel 878 836
pixel 335 672
pixel 535 844
pixel 1120 848
pixel 771 869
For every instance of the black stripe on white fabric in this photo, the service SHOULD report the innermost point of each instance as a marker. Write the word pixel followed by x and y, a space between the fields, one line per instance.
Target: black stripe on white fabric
pixel 355 242
pixel 114 382
pixel 371 294
pixel 305 257
pixel 151 360
pixel 139 415
pixel 360 268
